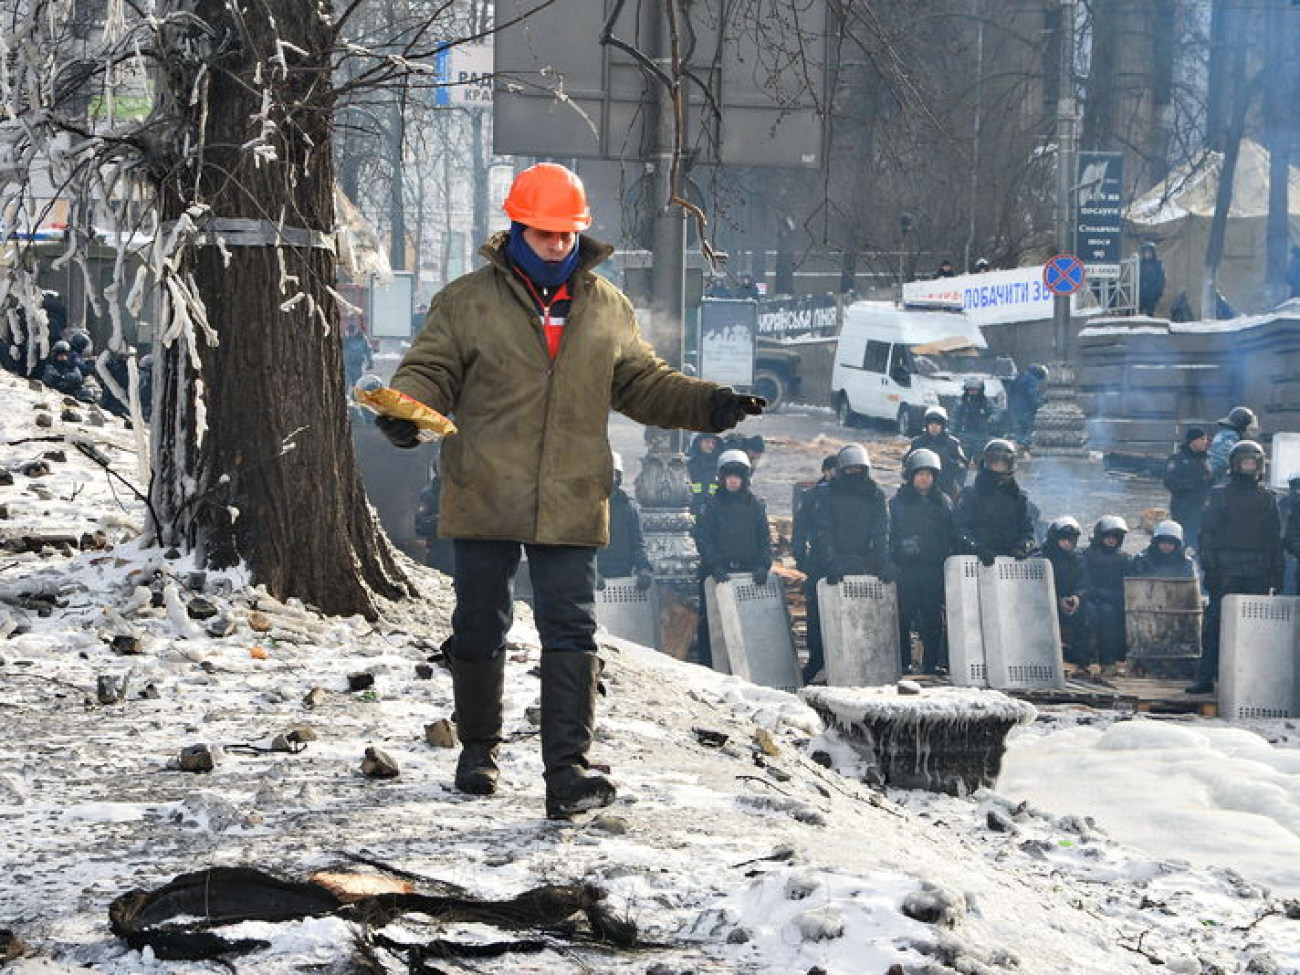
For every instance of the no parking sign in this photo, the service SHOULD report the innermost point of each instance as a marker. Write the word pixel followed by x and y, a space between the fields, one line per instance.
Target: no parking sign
pixel 1063 274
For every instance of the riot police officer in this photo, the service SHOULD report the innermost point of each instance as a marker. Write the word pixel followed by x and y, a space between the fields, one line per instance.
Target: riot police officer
pixel 993 514
pixel 1241 548
pixel 849 524
pixel 953 459
pixel 1108 566
pixel 922 535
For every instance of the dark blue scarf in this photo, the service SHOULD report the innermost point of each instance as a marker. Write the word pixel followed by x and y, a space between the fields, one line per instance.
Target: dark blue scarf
pixel 542 273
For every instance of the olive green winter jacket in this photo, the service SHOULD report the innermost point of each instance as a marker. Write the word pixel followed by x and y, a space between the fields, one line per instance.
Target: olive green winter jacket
pixel 531 461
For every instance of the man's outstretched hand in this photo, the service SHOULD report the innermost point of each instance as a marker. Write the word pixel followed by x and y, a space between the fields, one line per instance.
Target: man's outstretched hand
pixel 730 407
pixel 401 433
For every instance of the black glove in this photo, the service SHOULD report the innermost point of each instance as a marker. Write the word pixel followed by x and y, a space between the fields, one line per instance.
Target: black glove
pixel 1020 553
pixel 600 582
pixel 644 579
pixel 760 575
pixel 400 433
pixel 728 407
pixel 834 578
pixel 985 555
pixel 720 575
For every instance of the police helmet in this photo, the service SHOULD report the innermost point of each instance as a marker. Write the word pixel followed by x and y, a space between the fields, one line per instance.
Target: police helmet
pixel 853 455
pixel 972 384
pixel 1168 529
pixel 79 341
pixel 1039 372
pixel 1065 525
pixel 921 460
pixel 1240 417
pixel 935 414
pixel 60 348
pixel 1110 525
pixel 146 361
pixel 1247 457
pixel 999 456
pixel 734 462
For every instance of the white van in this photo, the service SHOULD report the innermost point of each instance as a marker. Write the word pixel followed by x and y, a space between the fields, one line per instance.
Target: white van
pixel 891 363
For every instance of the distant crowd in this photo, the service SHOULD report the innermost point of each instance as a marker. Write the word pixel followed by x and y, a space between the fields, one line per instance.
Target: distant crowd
pixel 1226 531
pixel 72 367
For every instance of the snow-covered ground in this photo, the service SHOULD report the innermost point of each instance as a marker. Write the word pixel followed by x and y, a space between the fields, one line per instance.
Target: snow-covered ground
pixel 1112 845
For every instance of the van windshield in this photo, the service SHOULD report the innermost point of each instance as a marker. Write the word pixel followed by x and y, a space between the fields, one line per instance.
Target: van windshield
pixel 962 362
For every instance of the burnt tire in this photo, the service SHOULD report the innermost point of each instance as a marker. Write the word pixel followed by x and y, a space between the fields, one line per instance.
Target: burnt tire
pixel 772 387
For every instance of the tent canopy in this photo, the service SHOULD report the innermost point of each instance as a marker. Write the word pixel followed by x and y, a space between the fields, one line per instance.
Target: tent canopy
pixel 1176 215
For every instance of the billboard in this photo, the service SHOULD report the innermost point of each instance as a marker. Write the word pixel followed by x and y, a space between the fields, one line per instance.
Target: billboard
pixel 990 298
pixel 1099 206
pixel 727 330
pixel 464 74
pixel 563 91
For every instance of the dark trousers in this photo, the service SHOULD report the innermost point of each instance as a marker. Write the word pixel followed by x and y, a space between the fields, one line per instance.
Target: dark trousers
pixel 1076 634
pixel 813 631
pixel 703 648
pixel 1243 585
pixel 1107 618
pixel 564 606
pixel 920 608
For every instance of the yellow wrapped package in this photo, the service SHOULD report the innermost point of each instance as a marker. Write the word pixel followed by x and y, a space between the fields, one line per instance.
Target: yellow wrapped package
pixel 371 393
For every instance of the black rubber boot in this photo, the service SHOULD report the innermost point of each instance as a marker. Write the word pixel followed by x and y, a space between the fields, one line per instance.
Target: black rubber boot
pixel 477 686
pixel 568 720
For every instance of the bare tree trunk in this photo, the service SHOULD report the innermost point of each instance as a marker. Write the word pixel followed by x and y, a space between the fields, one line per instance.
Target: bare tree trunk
pixel 254 461
pixel 1227 176
pixel 1160 121
pixel 1279 114
pixel 396 187
pixel 1220 83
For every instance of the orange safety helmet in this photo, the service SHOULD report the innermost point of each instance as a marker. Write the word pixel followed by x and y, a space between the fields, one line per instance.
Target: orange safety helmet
pixel 548 196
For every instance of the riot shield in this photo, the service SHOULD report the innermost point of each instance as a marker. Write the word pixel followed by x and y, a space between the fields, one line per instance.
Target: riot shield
pixel 629 612
pixel 966 666
pixel 1022 636
pixel 859 620
pixel 1259 641
pixel 749 631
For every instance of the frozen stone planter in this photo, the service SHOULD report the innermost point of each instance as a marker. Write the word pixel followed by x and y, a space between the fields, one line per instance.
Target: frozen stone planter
pixel 945 739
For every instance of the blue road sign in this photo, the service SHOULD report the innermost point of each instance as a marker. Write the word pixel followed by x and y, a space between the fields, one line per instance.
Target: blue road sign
pixel 1063 274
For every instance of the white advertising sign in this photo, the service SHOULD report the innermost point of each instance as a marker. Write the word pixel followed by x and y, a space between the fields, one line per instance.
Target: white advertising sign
pixel 991 298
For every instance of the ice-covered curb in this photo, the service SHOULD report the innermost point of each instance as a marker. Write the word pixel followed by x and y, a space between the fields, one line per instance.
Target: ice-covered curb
pixel 944 739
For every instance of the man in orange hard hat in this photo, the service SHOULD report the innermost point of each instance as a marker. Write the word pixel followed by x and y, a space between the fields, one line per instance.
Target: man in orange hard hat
pixel 530 353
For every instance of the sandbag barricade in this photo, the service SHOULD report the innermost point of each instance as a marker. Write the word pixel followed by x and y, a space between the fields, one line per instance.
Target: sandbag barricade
pixel 1259 643
pixel 628 612
pixel 859 620
pixel 750 634
pixel 1006 613
pixel 1162 625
